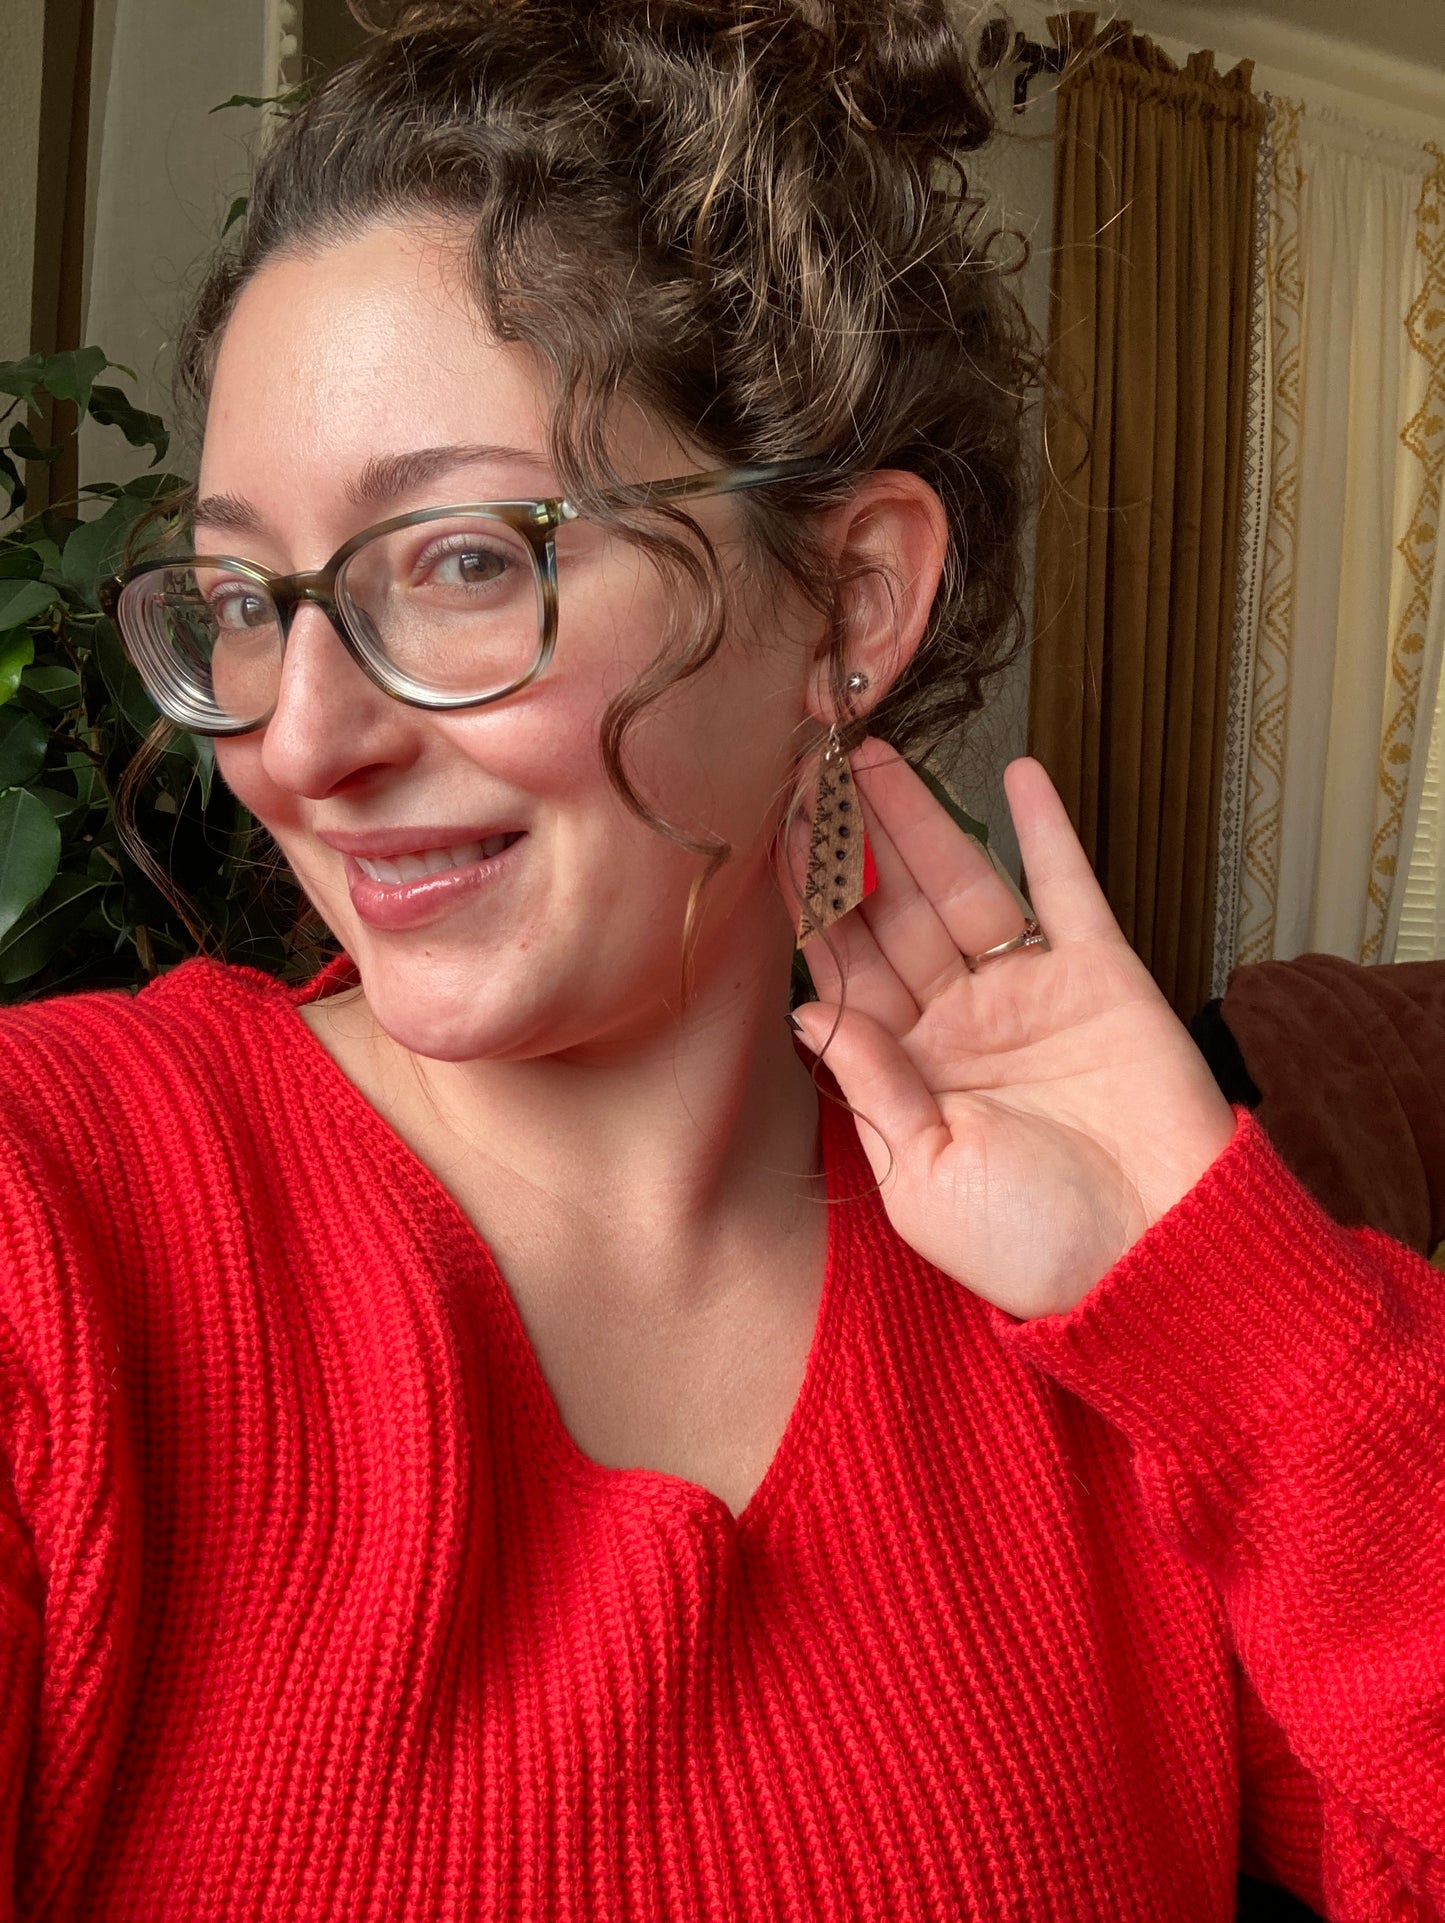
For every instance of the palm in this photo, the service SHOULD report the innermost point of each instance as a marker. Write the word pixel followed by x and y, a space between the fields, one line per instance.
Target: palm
pixel 1028 1121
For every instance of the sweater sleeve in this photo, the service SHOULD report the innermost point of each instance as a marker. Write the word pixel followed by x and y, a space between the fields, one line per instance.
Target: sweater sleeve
pixel 69 1572
pixel 20 1629
pixel 1281 1380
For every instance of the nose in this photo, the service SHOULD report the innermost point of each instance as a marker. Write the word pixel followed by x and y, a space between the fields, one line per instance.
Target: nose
pixel 332 727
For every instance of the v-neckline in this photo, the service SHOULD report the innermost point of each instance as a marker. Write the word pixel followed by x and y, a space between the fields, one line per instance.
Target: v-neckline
pixel 344 1108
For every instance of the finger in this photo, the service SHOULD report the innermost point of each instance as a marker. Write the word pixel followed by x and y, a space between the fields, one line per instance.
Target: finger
pixel 1067 898
pixel 847 965
pixel 972 900
pixel 905 925
pixel 896 1112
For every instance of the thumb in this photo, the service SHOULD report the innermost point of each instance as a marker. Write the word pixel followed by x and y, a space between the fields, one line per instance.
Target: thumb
pixel 895 1108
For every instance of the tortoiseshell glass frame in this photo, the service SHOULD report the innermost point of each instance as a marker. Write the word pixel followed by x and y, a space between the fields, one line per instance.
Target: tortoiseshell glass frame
pixel 536 521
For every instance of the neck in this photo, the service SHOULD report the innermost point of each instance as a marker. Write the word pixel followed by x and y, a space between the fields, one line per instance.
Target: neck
pixel 659 1155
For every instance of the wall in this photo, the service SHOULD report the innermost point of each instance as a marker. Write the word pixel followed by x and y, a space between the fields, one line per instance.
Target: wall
pixel 1325 68
pixel 164 168
pixel 1017 172
pixel 22 32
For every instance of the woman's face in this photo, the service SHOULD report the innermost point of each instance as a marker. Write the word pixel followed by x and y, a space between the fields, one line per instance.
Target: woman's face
pixel 333 368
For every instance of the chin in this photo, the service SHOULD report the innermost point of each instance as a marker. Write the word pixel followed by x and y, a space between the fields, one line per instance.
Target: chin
pixel 423 1006
pixel 507 1009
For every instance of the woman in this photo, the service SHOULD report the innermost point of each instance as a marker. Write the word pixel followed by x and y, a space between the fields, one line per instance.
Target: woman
pixel 486 1439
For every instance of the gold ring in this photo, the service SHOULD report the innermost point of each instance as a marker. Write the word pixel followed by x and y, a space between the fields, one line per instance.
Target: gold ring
pixel 1032 937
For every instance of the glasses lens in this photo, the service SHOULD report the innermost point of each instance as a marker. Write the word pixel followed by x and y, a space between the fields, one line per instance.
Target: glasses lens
pixel 207 643
pixel 452 606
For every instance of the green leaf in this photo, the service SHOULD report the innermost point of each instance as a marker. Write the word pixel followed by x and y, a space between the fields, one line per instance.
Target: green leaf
pixel 292 97
pixel 236 211
pixel 200 751
pixel 24 443
pixel 20 563
pixel 22 377
pixel 125 686
pixel 40 934
pixel 17 651
pixel 97 548
pixel 111 408
pixel 59 686
pixel 63 807
pixel 86 777
pixel 11 482
pixel 29 854
pixel 23 742
pixel 68 376
pixel 141 487
pixel 22 600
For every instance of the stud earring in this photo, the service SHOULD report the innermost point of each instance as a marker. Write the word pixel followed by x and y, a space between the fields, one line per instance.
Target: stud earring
pixel 840 871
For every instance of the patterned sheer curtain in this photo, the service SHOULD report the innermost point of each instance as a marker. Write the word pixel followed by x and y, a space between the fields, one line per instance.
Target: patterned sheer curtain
pixel 1422 920
pixel 1340 614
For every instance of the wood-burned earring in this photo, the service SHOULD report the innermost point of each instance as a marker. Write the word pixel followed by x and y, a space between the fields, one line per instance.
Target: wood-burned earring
pixel 840 870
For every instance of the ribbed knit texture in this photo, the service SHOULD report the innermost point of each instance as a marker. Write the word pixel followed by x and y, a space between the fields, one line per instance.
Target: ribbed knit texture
pixel 311 1609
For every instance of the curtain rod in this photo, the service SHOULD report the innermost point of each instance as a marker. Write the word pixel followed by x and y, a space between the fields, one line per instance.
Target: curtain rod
pixel 999 45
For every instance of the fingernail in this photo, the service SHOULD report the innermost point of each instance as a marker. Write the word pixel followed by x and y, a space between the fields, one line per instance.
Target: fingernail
pixel 802 1035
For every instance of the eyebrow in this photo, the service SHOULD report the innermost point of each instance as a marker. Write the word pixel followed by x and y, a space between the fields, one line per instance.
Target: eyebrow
pixel 384 478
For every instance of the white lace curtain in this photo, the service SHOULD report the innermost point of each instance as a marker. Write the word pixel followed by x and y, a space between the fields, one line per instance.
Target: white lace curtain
pixel 1341 610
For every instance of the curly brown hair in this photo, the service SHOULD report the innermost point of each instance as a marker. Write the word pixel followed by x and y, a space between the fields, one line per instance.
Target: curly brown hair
pixel 751 216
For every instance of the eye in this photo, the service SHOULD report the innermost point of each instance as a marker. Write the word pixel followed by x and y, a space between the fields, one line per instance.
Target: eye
pixel 237 605
pixel 460 561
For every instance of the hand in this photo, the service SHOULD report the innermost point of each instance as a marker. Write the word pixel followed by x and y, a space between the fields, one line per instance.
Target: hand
pixel 1029 1121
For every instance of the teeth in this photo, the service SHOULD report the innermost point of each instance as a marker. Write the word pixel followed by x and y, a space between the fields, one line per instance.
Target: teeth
pixel 435 861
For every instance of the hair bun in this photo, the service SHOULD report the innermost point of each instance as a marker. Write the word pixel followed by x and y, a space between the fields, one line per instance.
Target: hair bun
pixel 897 67
pixel 901 66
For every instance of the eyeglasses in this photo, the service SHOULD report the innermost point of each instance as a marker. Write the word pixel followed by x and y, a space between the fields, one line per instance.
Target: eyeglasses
pixel 445 608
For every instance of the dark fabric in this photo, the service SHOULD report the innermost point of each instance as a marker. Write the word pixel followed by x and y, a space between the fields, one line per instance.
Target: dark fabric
pixel 1214 1039
pixel 1263 1903
pixel 1349 1061
pixel 1151 266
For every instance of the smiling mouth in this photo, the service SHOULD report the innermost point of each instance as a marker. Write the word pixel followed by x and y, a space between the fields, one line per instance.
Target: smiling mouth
pixel 400 869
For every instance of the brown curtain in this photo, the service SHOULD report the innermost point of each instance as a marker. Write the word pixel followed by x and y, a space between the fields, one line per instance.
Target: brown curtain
pixel 1154 186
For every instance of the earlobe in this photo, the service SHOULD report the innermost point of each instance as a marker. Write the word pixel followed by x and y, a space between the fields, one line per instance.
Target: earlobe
pixel 890 542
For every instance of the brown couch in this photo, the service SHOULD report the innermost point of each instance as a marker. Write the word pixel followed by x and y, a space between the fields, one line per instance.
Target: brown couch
pixel 1345 1067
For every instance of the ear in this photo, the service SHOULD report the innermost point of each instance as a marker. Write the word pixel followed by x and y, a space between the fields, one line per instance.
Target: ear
pixel 889 540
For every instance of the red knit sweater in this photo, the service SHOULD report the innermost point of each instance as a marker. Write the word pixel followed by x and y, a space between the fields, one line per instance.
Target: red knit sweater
pixel 310 1607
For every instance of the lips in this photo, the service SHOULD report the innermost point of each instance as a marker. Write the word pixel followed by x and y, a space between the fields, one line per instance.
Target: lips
pixel 421 886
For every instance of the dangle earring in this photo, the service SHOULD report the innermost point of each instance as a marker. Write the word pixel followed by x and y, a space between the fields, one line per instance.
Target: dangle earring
pixel 840 870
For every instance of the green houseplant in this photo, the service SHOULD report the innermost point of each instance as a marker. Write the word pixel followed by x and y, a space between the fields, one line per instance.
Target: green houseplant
pixel 87 780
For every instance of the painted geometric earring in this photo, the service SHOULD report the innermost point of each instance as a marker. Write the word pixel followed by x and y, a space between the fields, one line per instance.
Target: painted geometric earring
pixel 840 870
